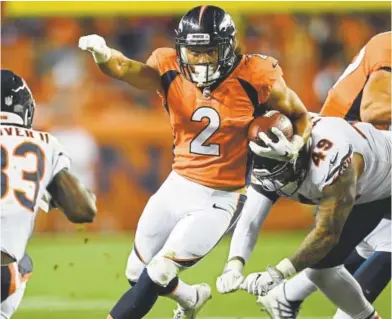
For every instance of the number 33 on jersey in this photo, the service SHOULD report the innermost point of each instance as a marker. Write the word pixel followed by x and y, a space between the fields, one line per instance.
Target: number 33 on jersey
pixel 210 133
pixel 29 160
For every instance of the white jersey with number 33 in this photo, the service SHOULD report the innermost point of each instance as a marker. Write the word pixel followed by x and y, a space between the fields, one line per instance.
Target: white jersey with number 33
pixel 334 141
pixel 29 161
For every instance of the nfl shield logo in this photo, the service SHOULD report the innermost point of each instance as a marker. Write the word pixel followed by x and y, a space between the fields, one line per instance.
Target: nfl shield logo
pixel 9 100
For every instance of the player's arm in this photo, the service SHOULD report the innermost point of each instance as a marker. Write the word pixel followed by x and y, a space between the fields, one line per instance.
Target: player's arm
pixel 68 194
pixel 286 101
pixel 256 209
pixel 376 98
pixel 116 65
pixel 336 204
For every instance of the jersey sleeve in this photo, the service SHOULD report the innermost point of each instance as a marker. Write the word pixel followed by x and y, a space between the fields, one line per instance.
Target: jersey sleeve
pixel 162 59
pixel 268 71
pixel 60 158
pixel 330 156
pixel 378 53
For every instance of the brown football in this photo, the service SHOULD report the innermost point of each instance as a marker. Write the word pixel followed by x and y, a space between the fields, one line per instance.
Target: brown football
pixel 267 121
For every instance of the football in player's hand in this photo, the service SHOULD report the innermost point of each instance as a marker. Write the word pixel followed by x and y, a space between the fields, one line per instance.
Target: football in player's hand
pixel 264 124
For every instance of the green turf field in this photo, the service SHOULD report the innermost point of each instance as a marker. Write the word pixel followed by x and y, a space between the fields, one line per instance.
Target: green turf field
pixel 81 276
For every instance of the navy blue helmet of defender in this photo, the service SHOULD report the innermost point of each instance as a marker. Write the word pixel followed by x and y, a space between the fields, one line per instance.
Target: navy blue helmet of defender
pixel 17 102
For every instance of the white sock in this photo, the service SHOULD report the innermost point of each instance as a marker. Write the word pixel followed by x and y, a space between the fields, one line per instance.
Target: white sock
pixel 299 287
pixel 341 315
pixel 185 295
pixel 340 287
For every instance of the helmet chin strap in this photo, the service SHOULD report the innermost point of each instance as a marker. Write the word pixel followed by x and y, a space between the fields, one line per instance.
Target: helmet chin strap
pixel 200 75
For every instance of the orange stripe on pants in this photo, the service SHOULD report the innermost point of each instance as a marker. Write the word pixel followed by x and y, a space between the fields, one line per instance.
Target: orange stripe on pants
pixel 13 273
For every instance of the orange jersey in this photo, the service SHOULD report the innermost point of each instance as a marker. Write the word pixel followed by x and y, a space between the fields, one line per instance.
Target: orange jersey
pixel 344 99
pixel 210 132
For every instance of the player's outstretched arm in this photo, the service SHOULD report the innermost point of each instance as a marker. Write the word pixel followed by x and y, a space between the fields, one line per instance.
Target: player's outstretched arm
pixel 376 98
pixel 333 211
pixel 286 101
pixel 116 65
pixel 253 215
pixel 68 194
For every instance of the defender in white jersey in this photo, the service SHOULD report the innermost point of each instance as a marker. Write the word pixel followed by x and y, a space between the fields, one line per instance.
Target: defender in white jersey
pixel 31 163
pixel 346 170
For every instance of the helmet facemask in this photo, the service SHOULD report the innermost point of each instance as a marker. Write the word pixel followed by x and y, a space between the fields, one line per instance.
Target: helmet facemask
pixel 284 178
pixel 205 73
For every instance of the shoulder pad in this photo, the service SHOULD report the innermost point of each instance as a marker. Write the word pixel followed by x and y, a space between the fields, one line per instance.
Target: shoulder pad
pixel 163 60
pixel 330 155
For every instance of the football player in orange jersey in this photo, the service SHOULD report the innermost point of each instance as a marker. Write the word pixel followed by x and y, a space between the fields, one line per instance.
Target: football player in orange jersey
pixel 363 92
pixel 211 93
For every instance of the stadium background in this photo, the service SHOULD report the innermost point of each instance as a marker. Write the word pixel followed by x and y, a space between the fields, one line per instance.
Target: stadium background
pixel 120 140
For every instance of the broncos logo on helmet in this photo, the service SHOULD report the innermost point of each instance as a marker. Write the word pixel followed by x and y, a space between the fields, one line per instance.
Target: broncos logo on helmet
pixel 17 102
pixel 206 30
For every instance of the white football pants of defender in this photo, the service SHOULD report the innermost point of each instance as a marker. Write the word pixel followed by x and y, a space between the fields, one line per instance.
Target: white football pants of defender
pixel 182 222
pixel 300 286
pixel 378 240
pixel 11 304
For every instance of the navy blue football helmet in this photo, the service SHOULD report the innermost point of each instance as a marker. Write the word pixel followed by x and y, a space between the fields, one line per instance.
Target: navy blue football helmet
pixel 206 27
pixel 17 102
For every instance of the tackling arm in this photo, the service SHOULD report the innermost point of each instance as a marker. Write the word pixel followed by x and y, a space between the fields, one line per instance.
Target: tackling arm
pixel 376 98
pixel 333 211
pixel 77 203
pixel 256 210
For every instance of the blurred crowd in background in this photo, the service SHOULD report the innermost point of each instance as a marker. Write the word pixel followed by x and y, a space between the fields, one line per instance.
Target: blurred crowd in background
pixel 109 127
pixel 312 50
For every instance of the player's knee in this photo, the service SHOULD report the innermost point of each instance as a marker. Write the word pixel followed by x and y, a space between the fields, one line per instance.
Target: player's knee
pixel 134 268
pixel 162 270
pixel 132 272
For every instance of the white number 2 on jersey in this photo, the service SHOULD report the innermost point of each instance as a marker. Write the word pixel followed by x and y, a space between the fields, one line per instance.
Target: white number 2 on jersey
pixel 351 68
pixel 198 144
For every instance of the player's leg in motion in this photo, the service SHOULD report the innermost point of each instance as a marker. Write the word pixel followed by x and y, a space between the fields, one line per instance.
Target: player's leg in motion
pixel 183 293
pixel 14 277
pixel 194 237
pixel 371 268
pixel 198 227
pixel 154 227
pixel 11 304
pixel 329 275
pixel 374 273
pixel 370 264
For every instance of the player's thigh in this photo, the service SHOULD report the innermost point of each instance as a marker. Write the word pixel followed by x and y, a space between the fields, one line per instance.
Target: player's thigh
pixel 156 222
pixel 362 220
pixel 198 232
pixel 380 238
pixel 154 227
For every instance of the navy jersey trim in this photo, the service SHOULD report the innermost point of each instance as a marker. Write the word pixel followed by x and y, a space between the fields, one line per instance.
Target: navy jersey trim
pixel 166 80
